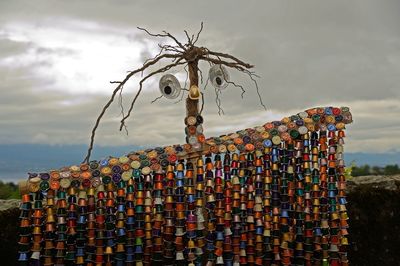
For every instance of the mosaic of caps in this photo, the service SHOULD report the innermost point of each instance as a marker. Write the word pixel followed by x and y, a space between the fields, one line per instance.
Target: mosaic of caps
pixel 269 195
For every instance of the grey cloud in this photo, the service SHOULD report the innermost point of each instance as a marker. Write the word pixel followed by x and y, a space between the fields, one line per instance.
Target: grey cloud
pixel 10 48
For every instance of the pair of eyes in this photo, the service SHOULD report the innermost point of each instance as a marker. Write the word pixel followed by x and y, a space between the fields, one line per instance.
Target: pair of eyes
pixel 170 87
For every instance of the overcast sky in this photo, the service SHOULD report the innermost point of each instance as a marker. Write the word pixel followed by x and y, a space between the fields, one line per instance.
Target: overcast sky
pixel 57 58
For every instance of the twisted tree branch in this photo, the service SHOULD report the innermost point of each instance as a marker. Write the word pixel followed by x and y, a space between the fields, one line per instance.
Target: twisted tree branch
pixel 180 54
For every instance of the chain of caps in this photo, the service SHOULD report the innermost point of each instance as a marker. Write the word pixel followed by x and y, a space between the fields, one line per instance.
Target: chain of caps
pixel 282 203
pixel 194 132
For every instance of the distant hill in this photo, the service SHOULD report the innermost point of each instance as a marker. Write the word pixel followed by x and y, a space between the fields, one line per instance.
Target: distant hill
pixel 373 159
pixel 17 160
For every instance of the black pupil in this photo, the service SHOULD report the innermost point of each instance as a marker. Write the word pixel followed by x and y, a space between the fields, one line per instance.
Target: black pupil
pixel 218 80
pixel 167 90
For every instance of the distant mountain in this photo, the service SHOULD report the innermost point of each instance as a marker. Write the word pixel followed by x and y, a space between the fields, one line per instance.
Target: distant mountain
pixel 17 160
pixel 373 159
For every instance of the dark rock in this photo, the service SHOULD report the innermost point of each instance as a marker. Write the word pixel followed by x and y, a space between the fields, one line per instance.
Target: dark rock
pixel 9 224
pixel 375 181
pixel 374 219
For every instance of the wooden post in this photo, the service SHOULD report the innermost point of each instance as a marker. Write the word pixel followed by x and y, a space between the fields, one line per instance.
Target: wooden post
pixel 192 105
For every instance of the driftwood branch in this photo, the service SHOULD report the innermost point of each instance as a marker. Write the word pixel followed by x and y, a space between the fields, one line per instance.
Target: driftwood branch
pixel 187 54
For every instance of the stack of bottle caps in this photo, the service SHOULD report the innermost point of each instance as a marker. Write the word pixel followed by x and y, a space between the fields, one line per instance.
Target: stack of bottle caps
pixel 191 219
pixel 91 227
pixel 250 203
pixel 120 225
pixel 258 210
pixel 219 210
pixel 341 198
pixel 180 215
pixel 242 208
pixel 236 221
pixel 71 225
pixel 148 216
pixel 271 195
pixel 324 210
pixel 139 219
pixel 49 233
pixel 130 222
pixel 315 196
pixel 110 222
pixel 300 203
pixel 158 218
pixel 100 224
pixel 228 199
pixel 81 228
pixel 25 229
pixel 61 237
pixel 194 131
pixel 169 214
pixel 308 221
pixel 37 229
pixel 200 237
pixel 267 210
pixel 210 206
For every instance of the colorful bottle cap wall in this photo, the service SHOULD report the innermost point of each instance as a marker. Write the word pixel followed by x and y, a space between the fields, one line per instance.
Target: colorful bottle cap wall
pixel 269 195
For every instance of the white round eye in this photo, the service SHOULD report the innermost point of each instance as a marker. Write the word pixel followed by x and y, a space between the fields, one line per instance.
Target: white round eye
pixel 169 86
pixel 219 76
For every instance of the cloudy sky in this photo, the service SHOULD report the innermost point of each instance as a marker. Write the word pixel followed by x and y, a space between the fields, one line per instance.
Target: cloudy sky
pixel 57 58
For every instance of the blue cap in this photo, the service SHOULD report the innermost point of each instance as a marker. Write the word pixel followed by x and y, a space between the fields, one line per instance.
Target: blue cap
pixel 190 198
pixel 104 162
pixel 246 139
pixel 116 169
pixel 121 232
pixel 116 177
pixel 110 242
pixel 331 127
pixel 180 174
pixel 23 257
pixel 81 219
pixel 210 246
pixel 138 249
pixel 259 170
pixel 342 201
pixel 191 234
pixel 285 214
pixel 179 183
pixel 80 252
pixel 121 208
pixel 228 262
pixel 267 143
pixel 339 118
pixel 328 111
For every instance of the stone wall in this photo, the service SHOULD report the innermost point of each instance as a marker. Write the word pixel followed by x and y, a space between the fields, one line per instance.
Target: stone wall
pixel 374 211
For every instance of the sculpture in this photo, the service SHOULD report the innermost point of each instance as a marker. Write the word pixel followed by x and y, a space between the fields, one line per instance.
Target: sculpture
pixel 268 195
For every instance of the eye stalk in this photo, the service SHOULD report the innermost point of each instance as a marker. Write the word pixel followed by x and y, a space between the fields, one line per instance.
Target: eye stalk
pixel 170 87
pixel 219 77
